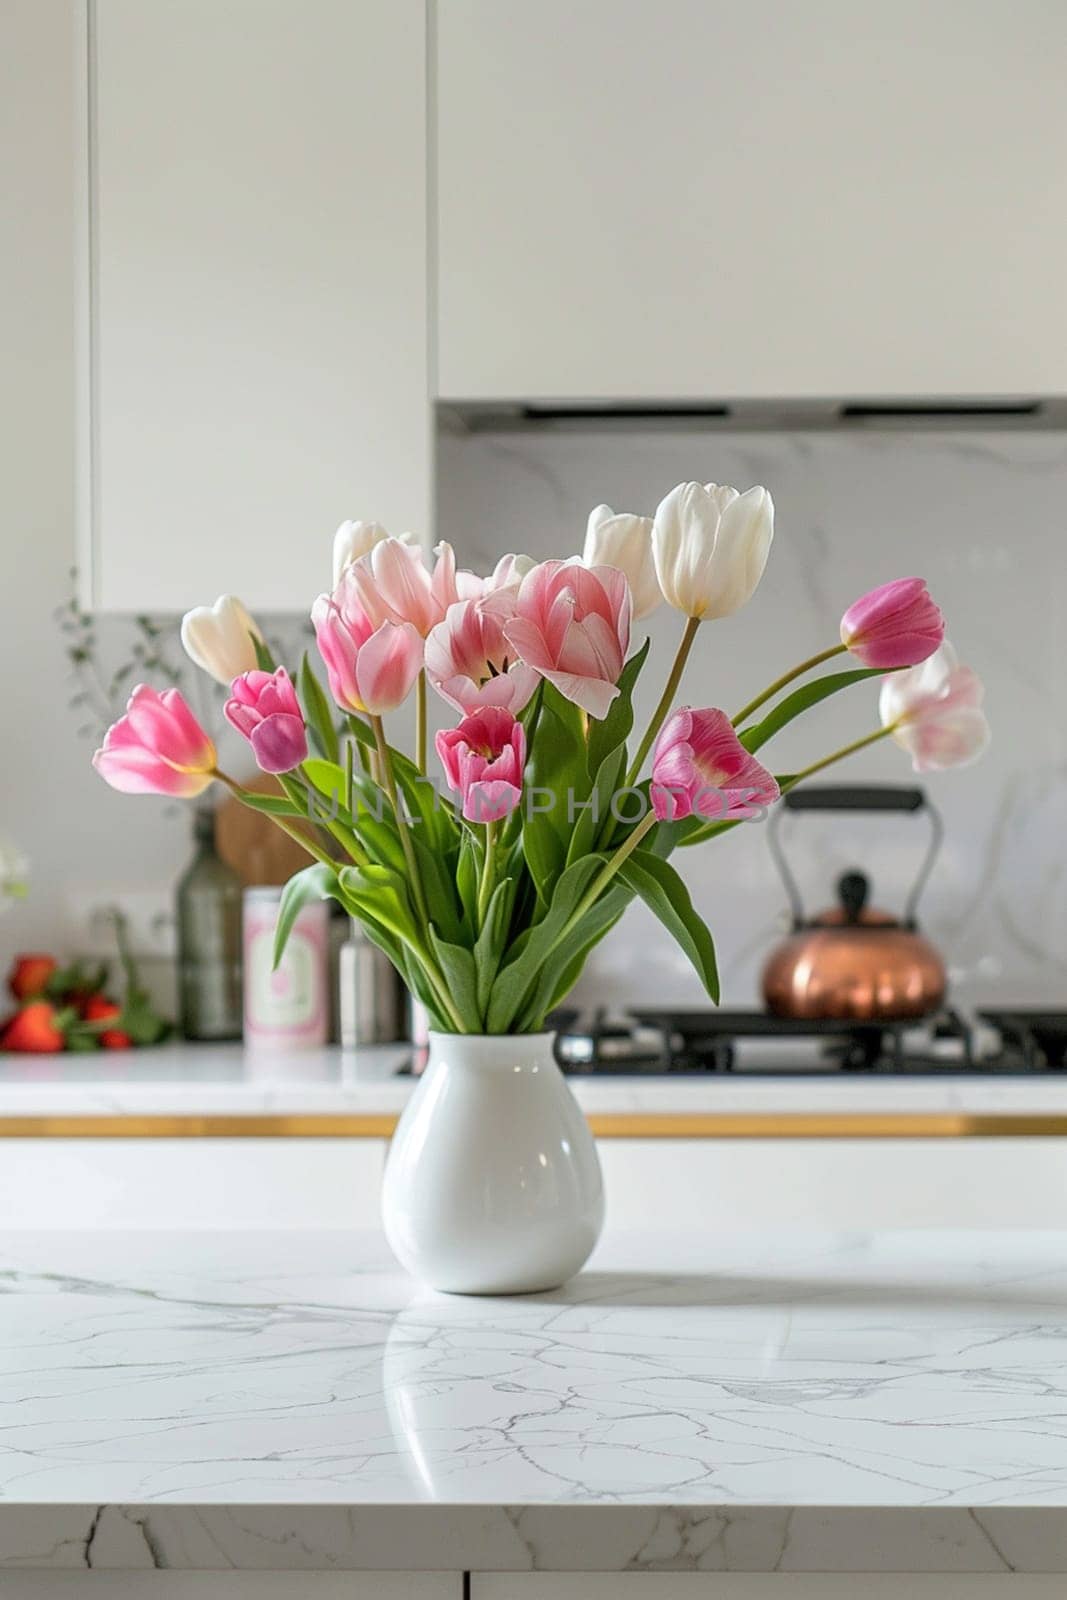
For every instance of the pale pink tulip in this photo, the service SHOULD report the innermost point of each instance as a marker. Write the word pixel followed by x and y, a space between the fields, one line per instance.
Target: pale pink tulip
pixel 158 747
pixel 469 661
pixel 371 665
pixel 935 712
pixel 699 765
pixel 572 625
pixel 392 583
pixel 483 760
pixel 264 708
pixel 895 625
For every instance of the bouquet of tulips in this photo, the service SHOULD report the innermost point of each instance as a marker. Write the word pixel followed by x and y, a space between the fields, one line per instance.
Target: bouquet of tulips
pixel 489 897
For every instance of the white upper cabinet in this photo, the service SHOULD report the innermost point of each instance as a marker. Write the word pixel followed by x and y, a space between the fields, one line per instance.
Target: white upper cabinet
pixel 255 330
pixel 700 199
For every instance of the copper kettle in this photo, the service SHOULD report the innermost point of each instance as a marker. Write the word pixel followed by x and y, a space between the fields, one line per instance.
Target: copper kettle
pixel 853 961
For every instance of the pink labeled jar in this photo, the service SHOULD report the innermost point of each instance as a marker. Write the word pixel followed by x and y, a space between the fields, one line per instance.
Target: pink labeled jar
pixel 287 1009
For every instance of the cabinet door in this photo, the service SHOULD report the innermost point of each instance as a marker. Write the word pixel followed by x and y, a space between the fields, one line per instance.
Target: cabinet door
pixel 764 1586
pixel 256 316
pixel 699 199
pixel 233 1586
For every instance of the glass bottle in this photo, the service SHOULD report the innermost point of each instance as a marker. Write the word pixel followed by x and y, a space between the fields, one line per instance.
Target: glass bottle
pixel 209 940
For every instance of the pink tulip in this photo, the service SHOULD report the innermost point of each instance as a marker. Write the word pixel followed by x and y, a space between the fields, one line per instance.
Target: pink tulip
pixel 483 760
pixel 896 625
pixel 572 625
pixel 700 765
pixel 935 712
pixel 469 661
pixel 372 665
pixel 263 706
pixel 158 747
pixel 392 583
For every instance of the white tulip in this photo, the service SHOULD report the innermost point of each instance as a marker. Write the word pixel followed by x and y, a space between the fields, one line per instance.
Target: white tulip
pixel 353 540
pixel 710 546
pixel 618 539
pixel 219 638
pixel 935 712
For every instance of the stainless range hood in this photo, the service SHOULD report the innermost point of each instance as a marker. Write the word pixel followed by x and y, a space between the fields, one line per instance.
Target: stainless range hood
pixel 943 413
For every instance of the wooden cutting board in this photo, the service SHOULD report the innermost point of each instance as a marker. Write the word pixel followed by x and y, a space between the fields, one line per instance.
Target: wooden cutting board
pixel 253 845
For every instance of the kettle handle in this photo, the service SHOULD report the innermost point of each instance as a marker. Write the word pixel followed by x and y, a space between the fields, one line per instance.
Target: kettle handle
pixel 854 797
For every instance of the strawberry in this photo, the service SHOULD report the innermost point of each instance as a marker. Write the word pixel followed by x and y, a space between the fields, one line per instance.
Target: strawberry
pixel 29 976
pixel 98 1008
pixel 35 1029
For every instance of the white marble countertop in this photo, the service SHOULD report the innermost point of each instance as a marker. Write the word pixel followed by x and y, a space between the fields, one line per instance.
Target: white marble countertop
pixel 797 1402
pixel 228 1080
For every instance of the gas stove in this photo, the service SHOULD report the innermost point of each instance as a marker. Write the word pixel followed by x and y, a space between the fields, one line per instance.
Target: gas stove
pixel 697 1043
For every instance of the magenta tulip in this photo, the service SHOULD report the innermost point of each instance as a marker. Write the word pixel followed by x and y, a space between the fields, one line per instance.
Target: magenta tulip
pixel 700 766
pixel 572 625
pixel 469 661
pixel 896 625
pixel 158 747
pixel 371 665
pixel 264 708
pixel 483 760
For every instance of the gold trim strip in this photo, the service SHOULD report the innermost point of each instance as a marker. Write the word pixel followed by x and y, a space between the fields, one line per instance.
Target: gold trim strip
pixel 606 1125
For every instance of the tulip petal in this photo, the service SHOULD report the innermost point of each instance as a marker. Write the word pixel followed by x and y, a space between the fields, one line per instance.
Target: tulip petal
pixel 592 694
pixel 489 800
pixel 388 665
pixel 135 770
pixel 279 743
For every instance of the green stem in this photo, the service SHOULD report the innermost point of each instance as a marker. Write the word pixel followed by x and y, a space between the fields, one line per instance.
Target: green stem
pixel 485 887
pixel 603 878
pixel 385 761
pixel 659 716
pixel 420 721
pixel 838 755
pixel 280 822
pixel 430 967
pixel 787 677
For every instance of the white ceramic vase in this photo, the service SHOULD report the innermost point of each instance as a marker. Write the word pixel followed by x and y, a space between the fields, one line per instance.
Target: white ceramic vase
pixel 492 1183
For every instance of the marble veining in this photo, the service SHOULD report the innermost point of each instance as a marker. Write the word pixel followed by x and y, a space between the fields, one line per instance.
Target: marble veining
pixel 804 1401
pixel 979 514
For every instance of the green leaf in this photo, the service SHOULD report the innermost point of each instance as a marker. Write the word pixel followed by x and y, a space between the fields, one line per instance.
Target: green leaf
pixel 439 886
pixel 666 895
pixel 590 823
pixel 489 946
pixel 802 700
pixel 317 712
pixel 380 893
pixel 431 814
pixel 564 967
pixel 317 882
pixel 467 876
pixel 273 805
pixel 534 946
pixel 461 978
pixel 556 767
pixel 615 729
pixel 264 659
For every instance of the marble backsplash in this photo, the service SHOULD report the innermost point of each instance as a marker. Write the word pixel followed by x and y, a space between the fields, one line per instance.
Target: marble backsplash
pixel 981 516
